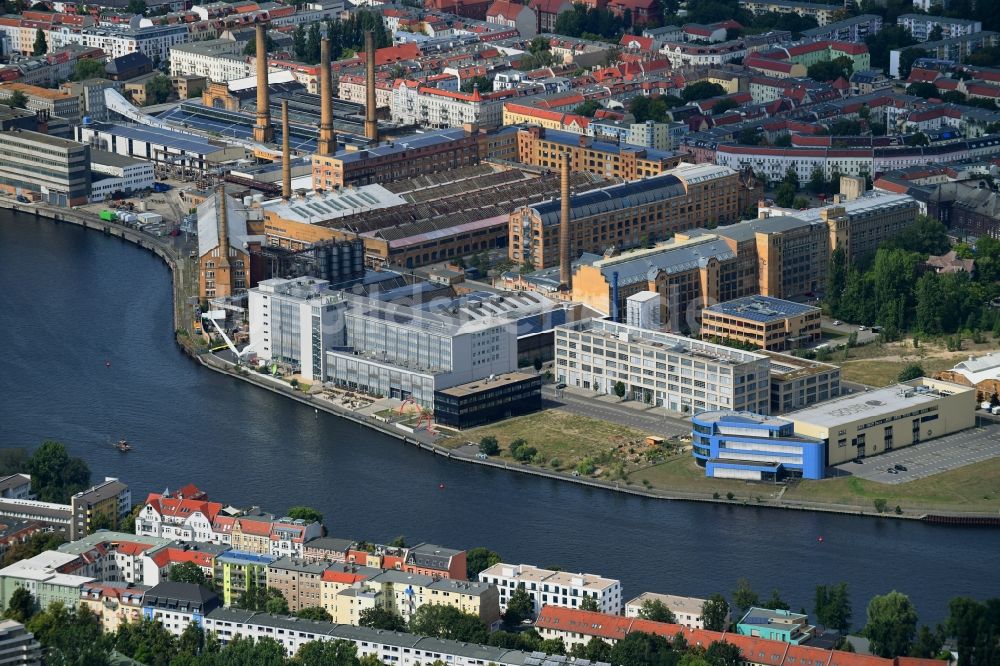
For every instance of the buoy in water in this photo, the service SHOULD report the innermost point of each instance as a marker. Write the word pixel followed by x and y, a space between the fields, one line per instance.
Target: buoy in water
pixel 440 486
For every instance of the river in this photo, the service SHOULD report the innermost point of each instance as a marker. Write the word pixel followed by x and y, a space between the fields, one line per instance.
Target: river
pixel 73 300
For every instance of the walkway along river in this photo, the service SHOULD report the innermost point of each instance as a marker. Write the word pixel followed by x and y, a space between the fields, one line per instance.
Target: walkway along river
pixel 74 300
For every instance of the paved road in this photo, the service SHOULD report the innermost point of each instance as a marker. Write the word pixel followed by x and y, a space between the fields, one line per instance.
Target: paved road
pixel 654 420
pixel 937 455
pixel 845 329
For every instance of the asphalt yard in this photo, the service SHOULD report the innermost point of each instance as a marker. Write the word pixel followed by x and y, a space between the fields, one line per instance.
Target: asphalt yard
pixel 930 457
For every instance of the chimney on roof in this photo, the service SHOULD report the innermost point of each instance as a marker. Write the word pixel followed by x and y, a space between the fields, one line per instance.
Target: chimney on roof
pixel 286 154
pixel 327 144
pixel 262 130
pixel 220 202
pixel 371 125
pixel 565 270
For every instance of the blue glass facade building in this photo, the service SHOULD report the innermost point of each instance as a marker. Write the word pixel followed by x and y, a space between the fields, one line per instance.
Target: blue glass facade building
pixel 744 445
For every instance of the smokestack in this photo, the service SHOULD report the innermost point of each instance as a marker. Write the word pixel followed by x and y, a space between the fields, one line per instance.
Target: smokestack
pixel 262 130
pixel 371 126
pixel 565 270
pixel 327 144
pixel 286 154
pixel 220 202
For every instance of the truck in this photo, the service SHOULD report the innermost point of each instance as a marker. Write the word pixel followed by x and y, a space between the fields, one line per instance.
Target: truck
pixel 109 215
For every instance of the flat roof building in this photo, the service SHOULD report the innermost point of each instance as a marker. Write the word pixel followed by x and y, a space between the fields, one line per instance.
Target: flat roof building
pixel 53 169
pixel 687 610
pixel 767 323
pixel 799 382
pixel 873 422
pixel 542 147
pixel 488 400
pixel 554 588
pixel 670 371
pixel 776 625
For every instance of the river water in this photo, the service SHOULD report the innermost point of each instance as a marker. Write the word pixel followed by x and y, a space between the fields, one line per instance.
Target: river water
pixel 72 300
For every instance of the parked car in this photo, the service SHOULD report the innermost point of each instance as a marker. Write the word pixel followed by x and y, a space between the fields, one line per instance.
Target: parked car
pixel 837 322
pixel 858 461
pixel 560 386
pixel 901 468
pixel 862 328
pixel 892 470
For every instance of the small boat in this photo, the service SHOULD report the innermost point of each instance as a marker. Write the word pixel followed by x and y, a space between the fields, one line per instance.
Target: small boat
pixel 123 446
pixel 107 364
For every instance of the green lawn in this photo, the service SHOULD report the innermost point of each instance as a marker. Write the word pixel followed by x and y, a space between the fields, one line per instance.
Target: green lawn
pixel 681 473
pixel 882 373
pixel 971 488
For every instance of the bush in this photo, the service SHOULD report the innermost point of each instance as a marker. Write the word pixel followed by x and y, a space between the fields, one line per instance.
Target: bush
pixel 489 445
pixel 555 463
pixel 880 504
pixel 521 452
pixel 730 496
pixel 586 467
pixel 899 512
pixel 715 495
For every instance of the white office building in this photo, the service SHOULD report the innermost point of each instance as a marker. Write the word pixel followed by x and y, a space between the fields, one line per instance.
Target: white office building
pixel 554 588
pixel 219 60
pixel 671 371
pixel 295 322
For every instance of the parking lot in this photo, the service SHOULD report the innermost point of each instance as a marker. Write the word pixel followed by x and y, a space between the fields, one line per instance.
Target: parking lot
pixel 931 457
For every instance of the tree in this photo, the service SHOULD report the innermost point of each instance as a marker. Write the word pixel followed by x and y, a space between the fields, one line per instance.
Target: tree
pixel 146 641
pixel 520 451
pixel 54 475
pixel 776 602
pixel 928 643
pixel 276 604
pixel 892 624
pixel 448 622
pixel 479 559
pixel 480 82
pixel 489 445
pixel 830 70
pixel 590 604
pixel 327 653
pixel 975 627
pixel 552 646
pixel 911 371
pixel 743 596
pixel 594 650
pixel 87 68
pixel 40 47
pixel 306 513
pixel 702 90
pixel 21 606
pixel 39 542
pixel 641 649
pixel 832 607
pixel 158 89
pixel 73 634
pixel 588 108
pixel 298 42
pixel 750 136
pixel 398 542
pixel 657 611
pixel 269 45
pixel 724 105
pixel 378 617
pixel 240 651
pixel 906 60
pixel 187 572
pixel 620 389
pixel 784 195
pixel 13 460
pixel 317 613
pixel 721 653
pixel 922 89
pixel 715 613
pixel 926 235
pixel 935 34
pixel 136 7
pixel 520 607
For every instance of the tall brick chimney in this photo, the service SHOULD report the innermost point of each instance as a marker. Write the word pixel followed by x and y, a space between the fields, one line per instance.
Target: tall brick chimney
pixel 565 268
pixel 262 130
pixel 371 125
pixel 327 144
pixel 286 154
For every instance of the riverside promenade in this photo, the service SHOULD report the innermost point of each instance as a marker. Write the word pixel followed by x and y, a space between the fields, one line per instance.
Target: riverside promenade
pixel 184 279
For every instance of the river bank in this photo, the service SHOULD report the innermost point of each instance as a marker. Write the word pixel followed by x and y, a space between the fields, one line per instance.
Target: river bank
pixel 182 284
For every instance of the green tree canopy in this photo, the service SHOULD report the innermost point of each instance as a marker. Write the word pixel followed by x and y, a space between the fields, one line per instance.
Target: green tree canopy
pixel 379 617
pixel 702 90
pixel 479 559
pixel 327 653
pixel 55 476
pixel 588 108
pixel 448 622
pixel 721 653
pixel 490 446
pixel 158 89
pixel 188 572
pixel 590 604
pixel 520 607
pixel 911 371
pixel 21 606
pixel 922 89
pixel 39 542
pixel 657 611
pixel 744 596
pixel 715 613
pixel 776 602
pixel 88 68
pixel 306 513
pixel 892 624
pixel 641 649
pixel 317 613
pixel 41 47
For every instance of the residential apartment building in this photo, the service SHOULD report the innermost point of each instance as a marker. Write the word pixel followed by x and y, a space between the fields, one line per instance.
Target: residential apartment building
pixel 687 54
pixel 873 422
pixel 43 167
pixel 431 152
pixel 107 504
pixel 326 549
pixel 16 486
pixel 219 60
pixel 767 323
pixel 853 29
pixel 299 582
pixel 295 323
pixel 265 533
pixel 921 26
pixel 42 576
pixel 955 49
pixel 414 104
pixel 554 588
pixel 687 610
pixel 114 604
pixel 18 646
pixel 238 571
pixel 822 13
pixel 177 605
pixel 543 147
pixel 670 371
pixel 744 445
pixel 776 625
pixel 154 41
pixel 184 515
pixel 627 215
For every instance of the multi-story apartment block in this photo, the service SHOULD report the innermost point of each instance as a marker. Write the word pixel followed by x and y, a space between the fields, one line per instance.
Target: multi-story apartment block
pixel 264 533
pixel 424 153
pixel 955 49
pixel 437 561
pixel 922 25
pixel 18 646
pixel 767 323
pixel 627 215
pixel 220 60
pixel 661 369
pixel 822 13
pixel 44 167
pixel 295 323
pixel 43 576
pixel 414 104
pixel 326 549
pixel 853 29
pixel 543 147
pixel 299 582
pixel 238 571
pixel 114 604
pixel 108 503
pixel 184 515
pixel 177 605
pixel 686 610
pixel 155 41
pixel 554 588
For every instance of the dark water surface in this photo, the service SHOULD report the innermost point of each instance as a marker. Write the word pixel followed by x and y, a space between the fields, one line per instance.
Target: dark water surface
pixel 71 299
